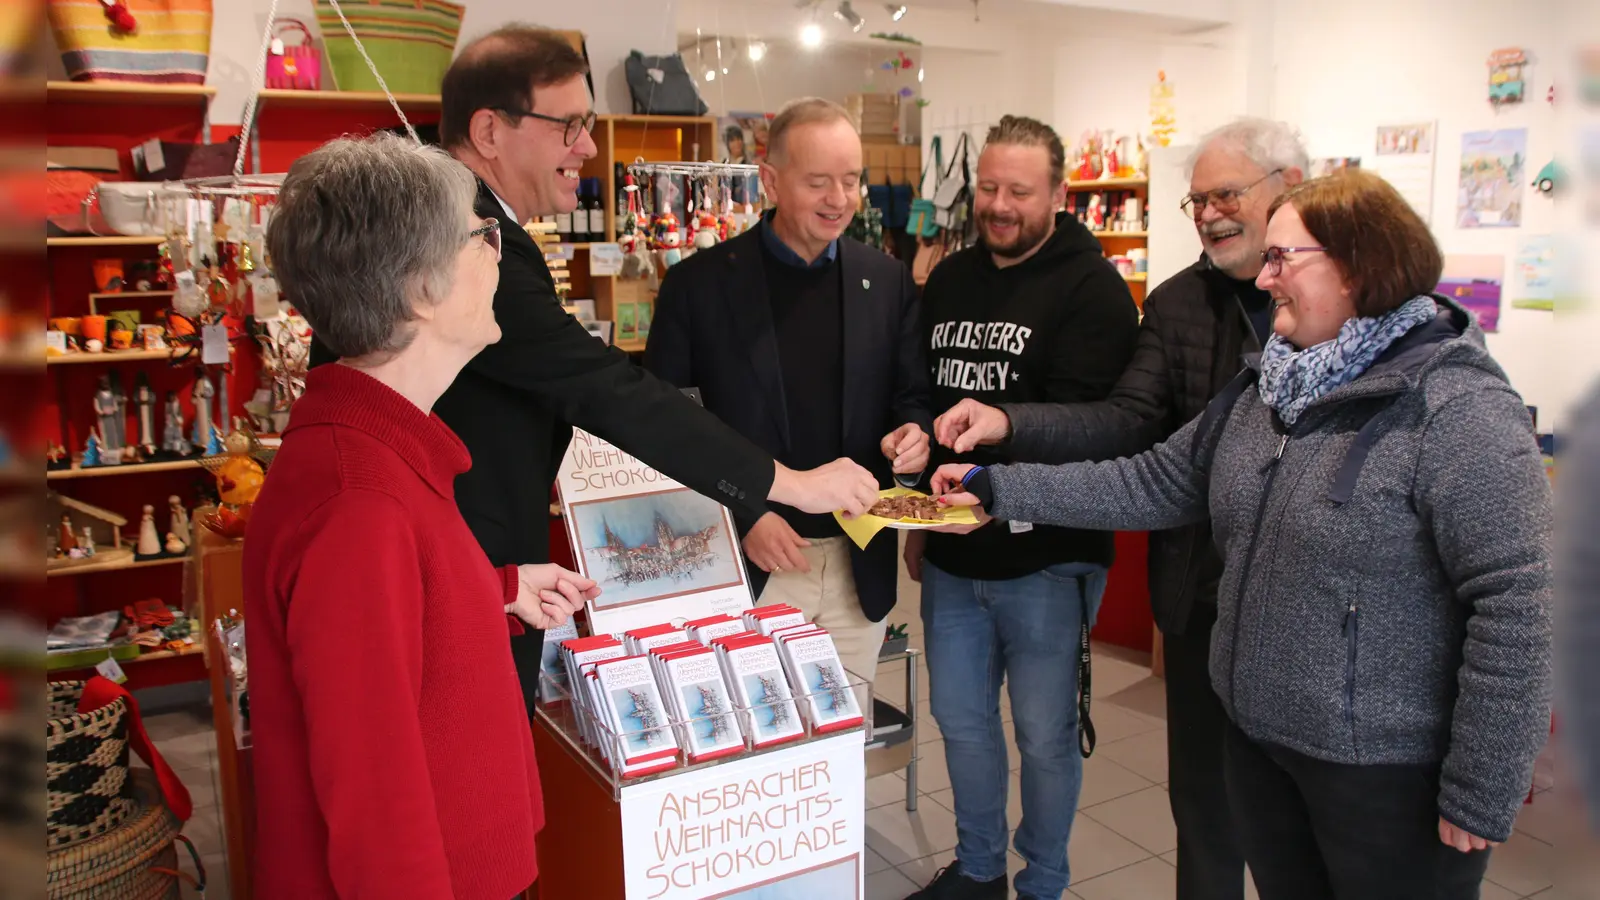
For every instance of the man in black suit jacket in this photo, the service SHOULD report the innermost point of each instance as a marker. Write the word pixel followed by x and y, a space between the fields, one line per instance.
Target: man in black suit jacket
pixel 516 111
pixel 808 344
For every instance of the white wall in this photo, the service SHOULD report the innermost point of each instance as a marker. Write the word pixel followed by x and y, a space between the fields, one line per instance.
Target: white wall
pixel 1425 59
pixel 1104 81
pixel 833 71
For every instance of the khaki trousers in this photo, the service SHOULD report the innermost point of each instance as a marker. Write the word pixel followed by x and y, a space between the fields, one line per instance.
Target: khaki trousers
pixel 827 597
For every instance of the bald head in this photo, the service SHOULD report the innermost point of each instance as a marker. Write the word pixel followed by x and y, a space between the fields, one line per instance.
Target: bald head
pixel 502 70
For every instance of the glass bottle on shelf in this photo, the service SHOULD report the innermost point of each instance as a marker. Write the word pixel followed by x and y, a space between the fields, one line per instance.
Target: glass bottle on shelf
pixel 564 227
pixel 597 212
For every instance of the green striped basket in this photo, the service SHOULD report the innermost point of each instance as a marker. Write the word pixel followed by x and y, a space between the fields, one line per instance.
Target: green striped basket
pixel 410 41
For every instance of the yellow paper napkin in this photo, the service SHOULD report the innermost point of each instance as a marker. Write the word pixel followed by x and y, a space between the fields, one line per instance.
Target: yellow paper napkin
pixel 864 529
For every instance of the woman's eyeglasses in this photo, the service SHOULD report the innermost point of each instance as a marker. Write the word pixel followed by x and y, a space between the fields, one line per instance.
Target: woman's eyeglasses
pixel 490 232
pixel 1272 257
pixel 1226 201
pixel 572 126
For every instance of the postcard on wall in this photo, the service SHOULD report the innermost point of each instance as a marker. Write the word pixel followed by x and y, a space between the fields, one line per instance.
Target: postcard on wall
pixel 1331 164
pixel 1404 158
pixel 1474 281
pixel 1493 171
pixel 659 551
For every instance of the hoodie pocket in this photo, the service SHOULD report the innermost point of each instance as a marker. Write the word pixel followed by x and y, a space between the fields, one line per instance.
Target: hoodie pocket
pixel 1352 627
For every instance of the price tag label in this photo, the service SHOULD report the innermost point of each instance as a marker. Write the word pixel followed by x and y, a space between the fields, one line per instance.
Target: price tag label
pixel 1021 527
pixel 605 259
pixel 214 345
pixel 110 669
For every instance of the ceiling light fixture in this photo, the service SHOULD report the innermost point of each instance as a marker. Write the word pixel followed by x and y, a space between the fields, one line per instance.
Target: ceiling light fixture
pixel 811 35
pixel 895 12
pixel 757 50
pixel 711 74
pixel 846 14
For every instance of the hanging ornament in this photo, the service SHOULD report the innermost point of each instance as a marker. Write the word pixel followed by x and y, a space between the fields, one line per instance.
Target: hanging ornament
pixel 895 36
pixel 121 19
pixel 1505 76
pixel 905 61
pixel 1163 120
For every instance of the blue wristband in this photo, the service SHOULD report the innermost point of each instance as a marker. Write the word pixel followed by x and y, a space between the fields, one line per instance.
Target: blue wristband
pixel 971 472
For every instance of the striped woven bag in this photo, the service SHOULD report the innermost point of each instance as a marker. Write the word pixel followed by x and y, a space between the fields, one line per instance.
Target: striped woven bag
pixel 410 41
pixel 170 44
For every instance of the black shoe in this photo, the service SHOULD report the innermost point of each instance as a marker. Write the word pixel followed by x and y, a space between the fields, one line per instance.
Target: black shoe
pixel 950 884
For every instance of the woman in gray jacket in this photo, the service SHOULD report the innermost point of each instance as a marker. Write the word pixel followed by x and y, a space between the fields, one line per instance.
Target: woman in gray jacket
pixel 1382 643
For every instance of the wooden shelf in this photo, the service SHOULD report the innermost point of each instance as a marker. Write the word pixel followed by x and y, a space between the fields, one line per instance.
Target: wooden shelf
pixel 90 568
pixel 105 357
pixel 1137 278
pixel 119 93
pixel 646 121
pixel 166 654
pixel 124 469
pixel 304 99
pixel 1107 183
pixel 119 240
pixel 633 346
pixel 1103 235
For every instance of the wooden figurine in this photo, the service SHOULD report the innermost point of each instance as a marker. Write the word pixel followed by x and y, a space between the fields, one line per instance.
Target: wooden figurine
pixel 175 546
pixel 172 439
pixel 149 546
pixel 202 393
pixel 180 518
pixel 145 400
pixel 66 542
pixel 106 412
pixel 86 543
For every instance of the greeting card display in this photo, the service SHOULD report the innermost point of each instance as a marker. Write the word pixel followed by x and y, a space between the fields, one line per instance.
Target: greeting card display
pixel 659 551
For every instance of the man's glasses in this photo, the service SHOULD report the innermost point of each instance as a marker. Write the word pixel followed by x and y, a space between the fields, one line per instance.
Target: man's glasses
pixel 1225 201
pixel 572 125
pixel 490 232
pixel 1272 257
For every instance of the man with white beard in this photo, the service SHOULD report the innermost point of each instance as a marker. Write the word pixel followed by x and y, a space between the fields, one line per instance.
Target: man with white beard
pixel 1197 326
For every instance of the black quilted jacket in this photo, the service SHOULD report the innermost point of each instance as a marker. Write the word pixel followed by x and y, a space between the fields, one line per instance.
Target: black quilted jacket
pixel 1192 342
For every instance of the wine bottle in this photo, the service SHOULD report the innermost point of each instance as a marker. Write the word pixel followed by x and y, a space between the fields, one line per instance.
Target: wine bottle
pixel 597 212
pixel 564 227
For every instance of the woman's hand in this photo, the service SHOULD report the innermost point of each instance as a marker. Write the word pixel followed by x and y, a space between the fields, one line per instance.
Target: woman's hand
pixel 1462 840
pixel 947 488
pixel 948 477
pixel 547 595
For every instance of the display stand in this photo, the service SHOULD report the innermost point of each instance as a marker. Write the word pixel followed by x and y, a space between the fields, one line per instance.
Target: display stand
pixel 792 814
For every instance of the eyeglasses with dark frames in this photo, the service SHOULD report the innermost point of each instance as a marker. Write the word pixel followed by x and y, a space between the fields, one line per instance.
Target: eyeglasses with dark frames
pixel 572 126
pixel 490 232
pixel 1226 201
pixel 1272 257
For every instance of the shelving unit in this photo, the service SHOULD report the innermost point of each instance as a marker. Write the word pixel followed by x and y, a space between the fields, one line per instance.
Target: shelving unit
pixel 116 566
pixel 102 92
pixel 1117 243
pixel 105 357
pixel 335 99
pixel 115 240
pixel 176 465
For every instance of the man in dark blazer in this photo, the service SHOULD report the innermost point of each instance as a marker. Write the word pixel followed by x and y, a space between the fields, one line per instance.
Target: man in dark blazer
pixel 809 344
pixel 516 111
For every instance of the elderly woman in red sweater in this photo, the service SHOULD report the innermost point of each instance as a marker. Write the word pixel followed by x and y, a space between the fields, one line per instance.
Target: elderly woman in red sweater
pixel 392 749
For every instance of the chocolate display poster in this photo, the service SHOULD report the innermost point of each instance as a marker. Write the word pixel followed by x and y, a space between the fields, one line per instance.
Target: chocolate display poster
pixel 1493 172
pixel 659 551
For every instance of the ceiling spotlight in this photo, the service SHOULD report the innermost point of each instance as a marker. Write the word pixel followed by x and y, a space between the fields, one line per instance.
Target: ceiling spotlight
pixel 919 75
pixel 895 12
pixel 711 74
pixel 811 35
pixel 849 16
pixel 757 50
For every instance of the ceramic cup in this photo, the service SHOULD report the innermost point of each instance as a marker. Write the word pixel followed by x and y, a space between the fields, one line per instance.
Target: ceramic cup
pixel 94 328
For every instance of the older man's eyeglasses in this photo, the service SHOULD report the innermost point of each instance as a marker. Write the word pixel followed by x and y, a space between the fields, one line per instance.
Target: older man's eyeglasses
pixel 1272 257
pixel 490 232
pixel 572 126
pixel 1225 201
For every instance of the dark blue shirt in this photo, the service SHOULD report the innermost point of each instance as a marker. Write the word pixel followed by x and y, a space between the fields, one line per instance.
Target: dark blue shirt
pixel 781 252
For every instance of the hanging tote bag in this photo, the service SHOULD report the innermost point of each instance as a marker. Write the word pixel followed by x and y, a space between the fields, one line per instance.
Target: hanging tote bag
pixel 294 66
pixel 661 86
pixel 169 41
pixel 410 41
pixel 920 216
pixel 953 196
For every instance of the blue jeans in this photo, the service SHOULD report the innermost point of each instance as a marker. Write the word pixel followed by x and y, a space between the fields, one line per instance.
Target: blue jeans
pixel 1024 631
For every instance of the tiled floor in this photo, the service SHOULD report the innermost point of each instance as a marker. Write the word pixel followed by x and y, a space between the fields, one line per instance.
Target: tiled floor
pixel 1123 842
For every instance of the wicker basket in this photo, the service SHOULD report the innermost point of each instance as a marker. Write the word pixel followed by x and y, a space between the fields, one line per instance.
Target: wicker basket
pixel 136 861
pixel 86 767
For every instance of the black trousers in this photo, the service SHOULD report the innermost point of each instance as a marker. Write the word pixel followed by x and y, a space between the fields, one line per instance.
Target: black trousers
pixel 1210 860
pixel 1315 830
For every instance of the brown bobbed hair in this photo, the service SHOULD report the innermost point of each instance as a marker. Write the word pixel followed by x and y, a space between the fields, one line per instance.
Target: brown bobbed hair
pixel 1382 247
pixel 502 70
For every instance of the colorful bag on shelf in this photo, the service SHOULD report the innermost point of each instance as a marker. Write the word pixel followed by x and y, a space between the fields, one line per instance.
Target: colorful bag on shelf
pixel 920 217
pixel 410 41
pixel 137 860
pixel 91 726
pixel 294 66
pixel 169 43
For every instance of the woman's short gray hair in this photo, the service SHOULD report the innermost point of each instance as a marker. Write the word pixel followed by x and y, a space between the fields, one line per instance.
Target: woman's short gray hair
pixel 364 230
pixel 1268 143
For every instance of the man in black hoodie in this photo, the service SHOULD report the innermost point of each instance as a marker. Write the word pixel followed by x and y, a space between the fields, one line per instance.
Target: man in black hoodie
pixel 1197 327
pixel 1032 314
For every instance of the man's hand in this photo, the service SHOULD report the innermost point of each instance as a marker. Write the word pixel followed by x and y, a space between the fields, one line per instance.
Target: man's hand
pixel 916 545
pixel 840 485
pixel 969 424
pixel 907 448
pixel 1462 840
pixel 773 546
pixel 547 595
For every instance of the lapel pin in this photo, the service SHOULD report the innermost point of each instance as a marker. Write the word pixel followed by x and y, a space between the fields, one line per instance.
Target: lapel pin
pixel 866 285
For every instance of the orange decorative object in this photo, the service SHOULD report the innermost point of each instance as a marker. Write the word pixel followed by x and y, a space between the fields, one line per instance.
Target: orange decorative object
pixel 93 328
pixel 239 478
pixel 121 339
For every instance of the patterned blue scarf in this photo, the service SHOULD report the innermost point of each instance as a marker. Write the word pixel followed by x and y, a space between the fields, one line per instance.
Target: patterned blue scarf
pixel 1292 380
